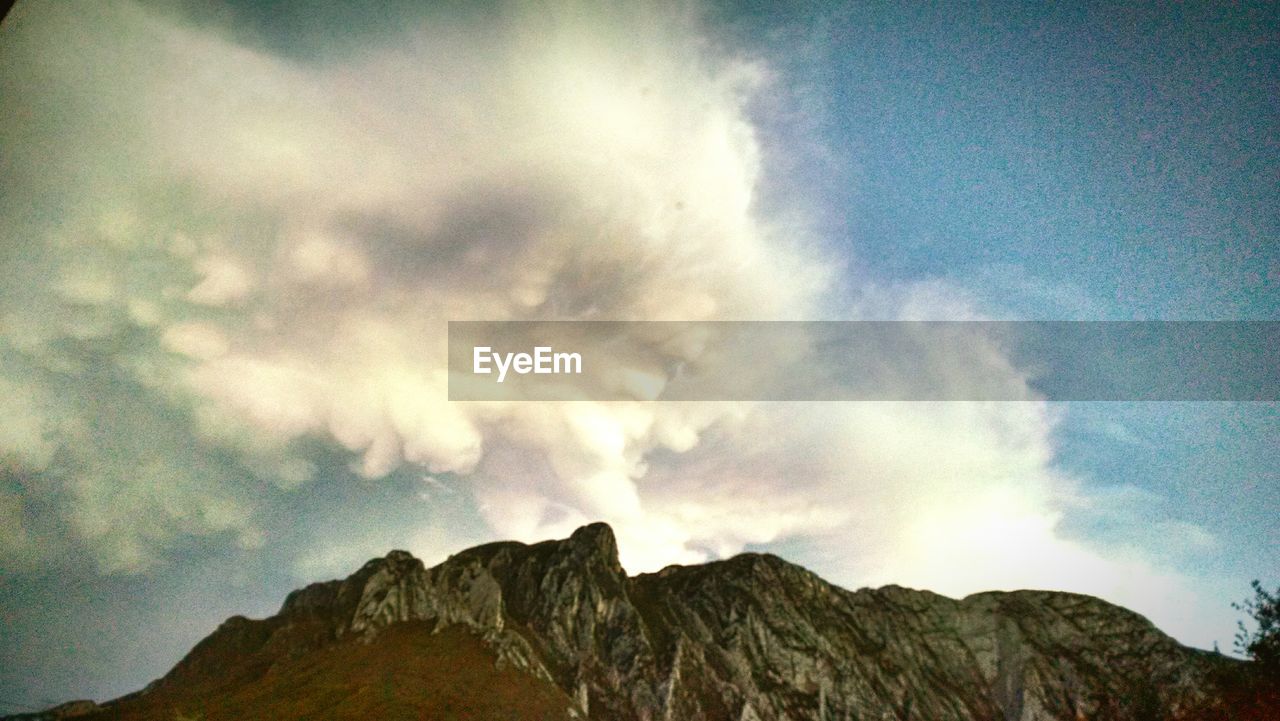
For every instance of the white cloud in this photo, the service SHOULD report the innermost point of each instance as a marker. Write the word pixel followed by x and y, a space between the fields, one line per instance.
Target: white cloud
pixel 224 281
pixel 298 234
pixel 197 340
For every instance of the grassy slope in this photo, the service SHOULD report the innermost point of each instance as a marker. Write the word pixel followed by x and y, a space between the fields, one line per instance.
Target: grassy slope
pixel 406 673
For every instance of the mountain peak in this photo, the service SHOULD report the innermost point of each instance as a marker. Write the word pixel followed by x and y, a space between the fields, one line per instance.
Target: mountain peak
pixel 398 556
pixel 597 539
pixel 752 637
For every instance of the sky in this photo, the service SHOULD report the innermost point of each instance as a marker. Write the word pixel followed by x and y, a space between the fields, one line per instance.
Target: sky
pixel 233 237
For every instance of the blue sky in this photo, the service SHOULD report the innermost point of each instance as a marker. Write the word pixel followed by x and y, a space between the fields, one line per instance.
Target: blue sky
pixel 1085 161
pixel 234 236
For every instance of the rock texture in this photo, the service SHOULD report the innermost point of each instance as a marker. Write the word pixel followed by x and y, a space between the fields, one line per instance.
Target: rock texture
pixel 749 638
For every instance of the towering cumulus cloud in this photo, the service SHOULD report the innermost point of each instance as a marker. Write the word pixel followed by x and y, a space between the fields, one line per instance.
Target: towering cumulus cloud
pixel 219 252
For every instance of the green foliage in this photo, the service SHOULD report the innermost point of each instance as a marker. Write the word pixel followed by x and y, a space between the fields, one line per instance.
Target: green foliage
pixel 1250 691
pixel 1262 644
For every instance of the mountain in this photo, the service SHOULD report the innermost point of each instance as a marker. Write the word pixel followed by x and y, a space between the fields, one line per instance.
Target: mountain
pixel 557 630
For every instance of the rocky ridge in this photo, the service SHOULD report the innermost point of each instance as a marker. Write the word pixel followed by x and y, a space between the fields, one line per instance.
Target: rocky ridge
pixel 749 638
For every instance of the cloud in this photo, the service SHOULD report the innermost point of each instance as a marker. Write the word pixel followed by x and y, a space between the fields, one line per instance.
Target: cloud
pixel 231 251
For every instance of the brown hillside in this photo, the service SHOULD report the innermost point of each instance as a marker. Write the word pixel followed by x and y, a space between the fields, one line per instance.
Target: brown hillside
pixel 407 672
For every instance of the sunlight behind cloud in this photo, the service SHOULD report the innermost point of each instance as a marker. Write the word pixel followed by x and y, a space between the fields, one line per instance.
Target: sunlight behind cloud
pixel 254 252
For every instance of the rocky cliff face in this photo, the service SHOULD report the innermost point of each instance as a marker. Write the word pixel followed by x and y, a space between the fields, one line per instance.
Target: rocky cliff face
pixel 752 637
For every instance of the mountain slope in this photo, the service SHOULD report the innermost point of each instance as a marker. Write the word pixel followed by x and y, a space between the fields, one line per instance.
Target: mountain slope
pixel 557 630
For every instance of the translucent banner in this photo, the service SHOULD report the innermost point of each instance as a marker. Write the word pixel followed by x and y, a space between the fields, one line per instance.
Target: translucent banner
pixel 864 361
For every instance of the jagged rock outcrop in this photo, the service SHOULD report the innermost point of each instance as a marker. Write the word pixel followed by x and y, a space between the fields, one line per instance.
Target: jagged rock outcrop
pixel 752 637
